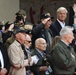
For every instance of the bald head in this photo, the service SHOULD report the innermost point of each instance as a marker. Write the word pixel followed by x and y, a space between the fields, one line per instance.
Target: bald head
pixel 40 44
pixel 20 37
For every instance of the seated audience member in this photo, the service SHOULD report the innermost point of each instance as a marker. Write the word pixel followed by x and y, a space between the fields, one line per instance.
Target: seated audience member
pixel 63 55
pixel 42 67
pixel 4 60
pixel 17 54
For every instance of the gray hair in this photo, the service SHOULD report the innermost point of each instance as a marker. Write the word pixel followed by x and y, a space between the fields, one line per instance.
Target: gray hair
pixel 66 30
pixel 62 8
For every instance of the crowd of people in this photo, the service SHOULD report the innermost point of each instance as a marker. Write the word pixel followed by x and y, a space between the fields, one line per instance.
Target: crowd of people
pixel 47 48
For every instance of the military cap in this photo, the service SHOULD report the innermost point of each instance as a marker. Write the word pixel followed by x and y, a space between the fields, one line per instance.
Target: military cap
pixel 45 15
pixel 19 31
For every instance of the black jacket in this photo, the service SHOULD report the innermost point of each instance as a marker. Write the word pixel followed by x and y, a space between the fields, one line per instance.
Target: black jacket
pixel 40 32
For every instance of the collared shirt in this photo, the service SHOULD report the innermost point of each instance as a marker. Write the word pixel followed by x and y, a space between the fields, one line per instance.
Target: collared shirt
pixel 1 59
pixel 64 42
pixel 61 23
pixel 41 53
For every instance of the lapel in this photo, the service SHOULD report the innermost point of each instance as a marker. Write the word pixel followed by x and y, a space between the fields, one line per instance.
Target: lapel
pixel 40 62
pixel 58 26
pixel 38 54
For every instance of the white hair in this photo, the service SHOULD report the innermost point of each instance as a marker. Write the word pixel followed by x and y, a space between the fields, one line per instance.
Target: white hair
pixel 66 30
pixel 62 8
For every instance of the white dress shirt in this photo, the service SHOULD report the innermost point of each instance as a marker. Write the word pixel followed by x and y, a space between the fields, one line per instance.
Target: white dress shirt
pixel 61 23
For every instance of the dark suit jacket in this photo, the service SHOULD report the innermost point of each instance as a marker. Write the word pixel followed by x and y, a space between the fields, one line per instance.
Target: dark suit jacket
pixel 35 68
pixel 5 56
pixel 63 61
pixel 55 28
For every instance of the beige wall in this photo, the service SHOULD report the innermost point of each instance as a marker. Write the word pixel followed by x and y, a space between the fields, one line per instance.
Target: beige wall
pixel 8 8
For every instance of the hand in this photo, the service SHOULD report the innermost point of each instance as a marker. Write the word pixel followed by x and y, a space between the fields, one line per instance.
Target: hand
pixel 74 8
pixel 3 71
pixel 74 72
pixel 11 27
pixel 45 20
pixel 43 68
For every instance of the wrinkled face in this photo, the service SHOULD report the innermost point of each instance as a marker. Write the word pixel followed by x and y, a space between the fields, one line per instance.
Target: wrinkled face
pixel 62 15
pixel 69 38
pixel 21 37
pixel 42 45
pixel 28 42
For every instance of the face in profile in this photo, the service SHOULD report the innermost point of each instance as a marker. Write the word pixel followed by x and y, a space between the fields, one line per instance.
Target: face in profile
pixel 48 23
pixel 42 45
pixel 21 37
pixel 69 38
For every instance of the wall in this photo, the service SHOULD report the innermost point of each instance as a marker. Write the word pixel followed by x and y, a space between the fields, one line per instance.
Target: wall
pixel 35 7
pixel 8 8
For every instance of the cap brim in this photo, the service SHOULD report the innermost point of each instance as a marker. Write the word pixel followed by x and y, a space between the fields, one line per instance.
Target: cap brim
pixel 19 31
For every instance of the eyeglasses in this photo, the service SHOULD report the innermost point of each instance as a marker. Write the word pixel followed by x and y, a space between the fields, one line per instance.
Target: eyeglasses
pixel 28 41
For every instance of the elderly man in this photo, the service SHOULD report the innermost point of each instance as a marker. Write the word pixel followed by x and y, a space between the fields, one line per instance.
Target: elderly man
pixel 16 54
pixel 42 67
pixel 28 42
pixel 42 30
pixel 27 48
pixel 63 55
pixel 60 22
